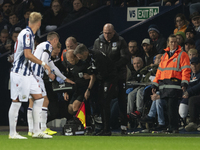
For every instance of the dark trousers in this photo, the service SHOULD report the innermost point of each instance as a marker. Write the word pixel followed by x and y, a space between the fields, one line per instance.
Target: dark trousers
pixel 194 108
pixel 106 92
pixel 172 106
pixel 122 101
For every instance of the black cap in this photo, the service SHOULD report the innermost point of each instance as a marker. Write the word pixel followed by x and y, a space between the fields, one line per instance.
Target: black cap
pixel 195 15
pixel 190 29
pixel 195 60
pixel 190 41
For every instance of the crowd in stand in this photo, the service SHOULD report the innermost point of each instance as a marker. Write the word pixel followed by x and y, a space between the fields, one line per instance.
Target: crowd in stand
pixel 135 62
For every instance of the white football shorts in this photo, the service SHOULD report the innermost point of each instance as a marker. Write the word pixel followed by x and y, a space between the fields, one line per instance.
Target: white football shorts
pixel 23 86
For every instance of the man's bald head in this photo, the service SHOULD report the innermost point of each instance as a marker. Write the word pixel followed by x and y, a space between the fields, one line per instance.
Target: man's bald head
pixel 137 63
pixel 108 31
pixel 71 58
pixel 71 43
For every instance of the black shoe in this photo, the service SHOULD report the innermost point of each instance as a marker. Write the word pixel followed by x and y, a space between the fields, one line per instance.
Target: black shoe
pixel 147 119
pixel 104 133
pixel 159 128
pixel 89 130
pixel 124 132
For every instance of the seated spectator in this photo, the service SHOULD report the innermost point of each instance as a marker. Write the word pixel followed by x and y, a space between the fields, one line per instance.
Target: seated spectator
pixel 181 23
pixel 180 37
pixel 159 41
pixel 6 9
pixel 78 11
pixel 190 32
pixel 138 65
pixel 195 18
pixel 150 52
pixel 53 17
pixel 192 96
pixel 192 53
pixel 14 4
pixel 13 23
pixel 146 74
pixel 91 4
pixel 188 45
pixel 5 42
pixel 135 51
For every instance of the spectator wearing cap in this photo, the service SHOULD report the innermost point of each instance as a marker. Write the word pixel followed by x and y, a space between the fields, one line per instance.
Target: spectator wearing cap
pixel 149 51
pixel 195 18
pixel 190 32
pixel 180 36
pixel 189 43
pixel 192 53
pixel 181 23
pixel 192 96
pixel 159 42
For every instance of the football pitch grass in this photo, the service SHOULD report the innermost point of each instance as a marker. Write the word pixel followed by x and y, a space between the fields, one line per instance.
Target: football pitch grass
pixel 114 142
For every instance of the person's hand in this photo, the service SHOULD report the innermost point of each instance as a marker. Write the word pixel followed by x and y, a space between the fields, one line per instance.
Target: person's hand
pixel 87 94
pixel 155 97
pixel 69 81
pixel 11 58
pixel 61 81
pixel 86 76
pixel 52 76
pixel 66 96
pixel 47 68
pixel 183 88
pixel 185 95
pixel 153 91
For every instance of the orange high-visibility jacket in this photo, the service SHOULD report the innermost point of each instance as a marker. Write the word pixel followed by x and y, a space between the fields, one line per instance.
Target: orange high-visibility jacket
pixel 174 71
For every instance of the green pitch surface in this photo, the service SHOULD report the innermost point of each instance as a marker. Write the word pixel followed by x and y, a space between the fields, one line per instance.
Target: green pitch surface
pixel 133 142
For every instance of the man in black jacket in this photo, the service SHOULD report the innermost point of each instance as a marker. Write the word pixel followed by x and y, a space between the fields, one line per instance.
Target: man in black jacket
pixel 105 71
pixel 115 48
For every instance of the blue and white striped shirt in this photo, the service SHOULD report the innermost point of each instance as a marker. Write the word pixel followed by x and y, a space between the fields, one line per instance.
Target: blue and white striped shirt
pixel 43 53
pixel 25 40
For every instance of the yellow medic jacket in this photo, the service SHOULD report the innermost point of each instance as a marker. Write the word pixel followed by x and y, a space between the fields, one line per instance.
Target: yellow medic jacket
pixel 172 73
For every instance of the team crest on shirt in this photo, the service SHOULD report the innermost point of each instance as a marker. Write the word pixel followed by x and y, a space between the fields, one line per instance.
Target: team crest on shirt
pixel 27 41
pixel 114 45
pixel 101 45
pixel 23 96
pixel 174 60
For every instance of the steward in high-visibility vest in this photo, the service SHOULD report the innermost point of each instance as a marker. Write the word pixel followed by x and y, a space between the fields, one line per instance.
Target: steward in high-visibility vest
pixel 172 78
pixel 173 73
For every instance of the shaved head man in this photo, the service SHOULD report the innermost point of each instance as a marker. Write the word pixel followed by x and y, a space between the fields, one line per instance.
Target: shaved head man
pixel 108 31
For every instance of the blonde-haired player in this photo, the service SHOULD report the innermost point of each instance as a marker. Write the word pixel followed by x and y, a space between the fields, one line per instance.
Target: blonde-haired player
pixel 23 82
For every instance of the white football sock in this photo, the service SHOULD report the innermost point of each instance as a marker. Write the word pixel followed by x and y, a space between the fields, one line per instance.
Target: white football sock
pixel 30 119
pixel 13 116
pixel 44 118
pixel 37 108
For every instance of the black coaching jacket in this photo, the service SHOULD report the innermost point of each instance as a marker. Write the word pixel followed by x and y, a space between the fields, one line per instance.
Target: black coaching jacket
pixel 116 50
